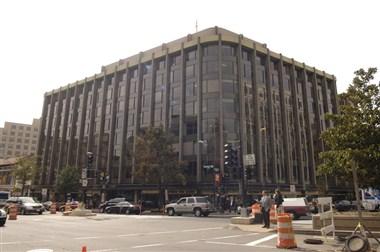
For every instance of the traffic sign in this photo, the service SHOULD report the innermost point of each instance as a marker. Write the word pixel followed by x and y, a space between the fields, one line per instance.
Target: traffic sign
pixel 84 173
pixel 249 159
pixel 84 182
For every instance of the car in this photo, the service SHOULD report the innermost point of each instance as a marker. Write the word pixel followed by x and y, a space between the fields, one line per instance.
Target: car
pixel 3 217
pixel 343 205
pixel 3 198
pixel 25 205
pixel 124 207
pixel 296 206
pixel 62 206
pixel 110 202
pixel 196 205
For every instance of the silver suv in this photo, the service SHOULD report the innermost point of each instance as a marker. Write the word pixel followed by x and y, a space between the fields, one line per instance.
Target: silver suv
pixel 195 205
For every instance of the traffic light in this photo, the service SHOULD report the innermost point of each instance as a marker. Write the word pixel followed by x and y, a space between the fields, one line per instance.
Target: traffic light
pixel 90 159
pixel 248 173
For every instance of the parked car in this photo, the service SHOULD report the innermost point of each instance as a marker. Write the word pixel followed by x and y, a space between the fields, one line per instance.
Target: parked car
pixel 25 205
pixel 343 205
pixel 296 206
pixel 3 198
pixel 196 205
pixel 3 217
pixel 73 204
pixel 110 202
pixel 124 207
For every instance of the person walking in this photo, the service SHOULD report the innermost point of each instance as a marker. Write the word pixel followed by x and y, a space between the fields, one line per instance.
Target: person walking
pixel 266 204
pixel 278 199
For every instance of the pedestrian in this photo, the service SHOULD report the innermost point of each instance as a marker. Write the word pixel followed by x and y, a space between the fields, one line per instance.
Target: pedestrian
pixel 278 199
pixel 232 204
pixel 266 204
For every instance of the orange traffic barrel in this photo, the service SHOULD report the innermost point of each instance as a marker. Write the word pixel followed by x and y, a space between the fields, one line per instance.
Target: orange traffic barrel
pixel 67 207
pixel 12 212
pixel 285 233
pixel 84 249
pixel 53 208
pixel 255 209
pixel 273 215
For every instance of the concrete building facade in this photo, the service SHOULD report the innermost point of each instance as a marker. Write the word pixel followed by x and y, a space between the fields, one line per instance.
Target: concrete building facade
pixel 17 139
pixel 208 89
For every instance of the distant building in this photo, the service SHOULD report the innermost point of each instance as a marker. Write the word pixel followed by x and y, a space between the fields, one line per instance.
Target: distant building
pixel 7 180
pixel 17 139
pixel 208 89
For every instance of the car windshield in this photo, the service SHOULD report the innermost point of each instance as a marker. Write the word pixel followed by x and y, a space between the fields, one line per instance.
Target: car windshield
pixel 27 200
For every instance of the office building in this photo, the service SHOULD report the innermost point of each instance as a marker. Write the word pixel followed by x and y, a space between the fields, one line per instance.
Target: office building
pixel 208 89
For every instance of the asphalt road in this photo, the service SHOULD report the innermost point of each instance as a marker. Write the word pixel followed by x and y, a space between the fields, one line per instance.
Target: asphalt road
pixel 112 233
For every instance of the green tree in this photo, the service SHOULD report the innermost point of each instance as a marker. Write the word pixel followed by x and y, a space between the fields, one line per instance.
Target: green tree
pixel 155 160
pixel 25 171
pixel 68 180
pixel 354 141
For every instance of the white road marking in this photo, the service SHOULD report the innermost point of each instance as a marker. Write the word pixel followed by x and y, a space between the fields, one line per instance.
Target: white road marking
pixel 127 235
pixel 267 238
pixel 149 245
pixel 9 243
pixel 199 229
pixel 223 243
pixel 189 241
pixel 231 236
pixel 105 250
pixel 86 238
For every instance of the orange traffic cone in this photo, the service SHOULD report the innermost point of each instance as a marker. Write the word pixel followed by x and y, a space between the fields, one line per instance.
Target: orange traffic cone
pixel 285 234
pixel 273 214
pixel 12 212
pixel 84 249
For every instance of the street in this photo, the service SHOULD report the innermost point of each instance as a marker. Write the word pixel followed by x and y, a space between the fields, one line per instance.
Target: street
pixel 112 233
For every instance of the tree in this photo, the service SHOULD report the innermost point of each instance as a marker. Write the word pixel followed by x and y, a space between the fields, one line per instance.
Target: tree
pixel 354 141
pixel 68 180
pixel 155 160
pixel 25 171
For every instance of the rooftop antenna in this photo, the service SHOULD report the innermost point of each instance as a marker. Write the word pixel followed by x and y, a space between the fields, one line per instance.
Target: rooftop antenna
pixel 196 25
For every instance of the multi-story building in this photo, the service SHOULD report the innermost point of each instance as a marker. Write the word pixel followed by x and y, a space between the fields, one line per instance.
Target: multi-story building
pixel 18 139
pixel 208 89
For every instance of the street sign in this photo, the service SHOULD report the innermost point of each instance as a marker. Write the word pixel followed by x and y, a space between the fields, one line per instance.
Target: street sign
pixel 44 191
pixel 84 173
pixel 292 188
pixel 84 182
pixel 249 159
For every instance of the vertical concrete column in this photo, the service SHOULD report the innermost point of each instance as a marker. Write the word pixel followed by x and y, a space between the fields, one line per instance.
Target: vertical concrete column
pixel 182 104
pixel 221 116
pixel 284 122
pixel 123 158
pixel 256 118
pixel 79 154
pixel 334 96
pixel 41 136
pixel 54 145
pixel 272 148
pixel 90 142
pixel 153 88
pixel 138 114
pixel 242 115
pixel 70 151
pixel 50 100
pixel 325 99
pixel 311 160
pixel 167 91
pixel 111 139
pixel 293 86
pixel 62 147
pixel 199 109
pixel 99 146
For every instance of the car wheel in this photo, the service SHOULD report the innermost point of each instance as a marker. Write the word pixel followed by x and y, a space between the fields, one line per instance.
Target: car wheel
pixel 197 212
pixel 205 214
pixel 2 222
pixel 128 211
pixel 107 211
pixel 40 212
pixel 171 212
pixel 22 211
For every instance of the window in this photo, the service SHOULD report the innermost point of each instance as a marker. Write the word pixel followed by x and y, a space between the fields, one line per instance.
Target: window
pixel 120 106
pixel 158 97
pixel 146 100
pixel 210 86
pixel 211 50
pixel 132 102
pixel 190 71
pixel 211 105
pixel 190 89
pixel 228 106
pixel 158 114
pixel 190 200
pixel 176 93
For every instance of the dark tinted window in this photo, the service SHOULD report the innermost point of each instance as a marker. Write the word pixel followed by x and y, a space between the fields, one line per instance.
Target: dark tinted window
pixel 201 200
pixel 190 200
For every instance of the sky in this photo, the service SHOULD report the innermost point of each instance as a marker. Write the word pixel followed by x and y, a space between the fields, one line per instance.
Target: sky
pixel 47 44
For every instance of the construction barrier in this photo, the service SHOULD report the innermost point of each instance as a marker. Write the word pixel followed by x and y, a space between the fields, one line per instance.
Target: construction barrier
pixel 285 233
pixel 53 208
pixel 273 214
pixel 256 209
pixel 84 249
pixel 12 212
